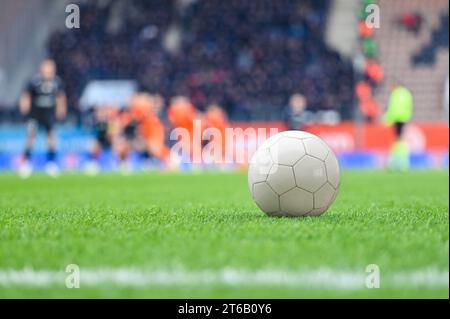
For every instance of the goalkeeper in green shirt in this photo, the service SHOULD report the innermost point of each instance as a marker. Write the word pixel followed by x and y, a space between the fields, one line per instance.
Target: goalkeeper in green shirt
pixel 398 113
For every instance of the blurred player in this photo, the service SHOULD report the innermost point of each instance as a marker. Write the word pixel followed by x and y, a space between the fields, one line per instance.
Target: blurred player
pixel 158 105
pixel 149 139
pixel 124 128
pixel 42 102
pixel 216 118
pixel 142 131
pixel 297 115
pixel 181 114
pixel 398 113
pixel 104 117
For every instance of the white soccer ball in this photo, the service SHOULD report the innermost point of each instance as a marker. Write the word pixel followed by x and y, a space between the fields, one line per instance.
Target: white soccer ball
pixel 294 173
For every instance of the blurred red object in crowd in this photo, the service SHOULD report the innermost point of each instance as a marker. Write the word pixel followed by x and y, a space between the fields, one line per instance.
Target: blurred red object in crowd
pixel 374 71
pixel 364 30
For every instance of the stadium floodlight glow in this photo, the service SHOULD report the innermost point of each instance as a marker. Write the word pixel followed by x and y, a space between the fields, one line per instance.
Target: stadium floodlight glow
pixel 294 173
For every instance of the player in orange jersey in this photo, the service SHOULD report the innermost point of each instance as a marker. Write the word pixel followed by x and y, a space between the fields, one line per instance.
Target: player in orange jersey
pixel 216 119
pixel 182 115
pixel 148 137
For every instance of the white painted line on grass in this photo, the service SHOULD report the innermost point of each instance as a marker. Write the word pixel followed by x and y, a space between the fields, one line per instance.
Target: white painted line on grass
pixel 133 277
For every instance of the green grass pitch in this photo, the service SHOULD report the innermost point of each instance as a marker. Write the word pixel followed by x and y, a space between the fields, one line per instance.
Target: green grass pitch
pixel 208 222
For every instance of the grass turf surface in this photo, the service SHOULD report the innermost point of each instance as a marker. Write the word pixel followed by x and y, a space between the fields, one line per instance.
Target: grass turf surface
pixel 398 221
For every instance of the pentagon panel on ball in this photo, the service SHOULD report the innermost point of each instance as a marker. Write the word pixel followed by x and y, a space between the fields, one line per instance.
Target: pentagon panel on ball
pixel 294 173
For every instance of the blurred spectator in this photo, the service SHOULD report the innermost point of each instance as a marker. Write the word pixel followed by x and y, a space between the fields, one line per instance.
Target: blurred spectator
pixel 368 106
pixel 411 21
pixel 369 47
pixel 364 30
pixel 374 72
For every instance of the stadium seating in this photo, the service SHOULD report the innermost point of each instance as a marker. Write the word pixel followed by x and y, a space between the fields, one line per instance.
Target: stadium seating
pixel 420 59
pixel 248 56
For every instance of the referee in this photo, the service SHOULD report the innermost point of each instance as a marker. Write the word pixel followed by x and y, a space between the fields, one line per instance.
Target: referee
pixel 42 103
pixel 399 112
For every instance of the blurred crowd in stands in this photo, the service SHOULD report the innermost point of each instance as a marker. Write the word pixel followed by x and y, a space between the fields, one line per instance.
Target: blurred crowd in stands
pixel 248 56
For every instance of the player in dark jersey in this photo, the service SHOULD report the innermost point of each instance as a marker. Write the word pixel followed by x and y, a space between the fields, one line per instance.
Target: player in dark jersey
pixel 42 102
pixel 103 129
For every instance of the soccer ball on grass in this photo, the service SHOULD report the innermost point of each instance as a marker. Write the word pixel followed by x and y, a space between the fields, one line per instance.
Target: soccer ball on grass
pixel 294 173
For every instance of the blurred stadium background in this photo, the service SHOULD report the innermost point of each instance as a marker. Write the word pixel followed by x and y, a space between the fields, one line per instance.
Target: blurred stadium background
pixel 250 57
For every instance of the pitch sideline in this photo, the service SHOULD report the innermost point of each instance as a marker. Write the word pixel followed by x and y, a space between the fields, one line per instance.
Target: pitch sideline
pixel 134 277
